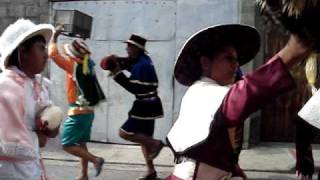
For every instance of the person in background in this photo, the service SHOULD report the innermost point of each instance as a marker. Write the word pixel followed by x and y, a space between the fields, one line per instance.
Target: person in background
pixel 83 92
pixel 147 107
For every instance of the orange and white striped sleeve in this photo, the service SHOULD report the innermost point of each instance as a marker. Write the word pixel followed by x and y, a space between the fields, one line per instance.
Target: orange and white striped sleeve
pixel 59 59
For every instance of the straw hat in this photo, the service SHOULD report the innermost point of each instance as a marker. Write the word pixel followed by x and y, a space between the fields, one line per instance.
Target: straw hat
pixel 245 39
pixel 17 33
pixel 77 49
pixel 137 41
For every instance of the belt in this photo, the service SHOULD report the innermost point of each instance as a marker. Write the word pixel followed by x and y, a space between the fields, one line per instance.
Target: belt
pixel 79 110
pixel 147 95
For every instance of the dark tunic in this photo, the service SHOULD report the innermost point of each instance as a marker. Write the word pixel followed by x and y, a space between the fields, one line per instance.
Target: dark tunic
pixel 143 83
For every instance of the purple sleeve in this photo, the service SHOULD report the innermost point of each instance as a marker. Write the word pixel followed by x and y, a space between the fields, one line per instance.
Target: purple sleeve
pixel 255 90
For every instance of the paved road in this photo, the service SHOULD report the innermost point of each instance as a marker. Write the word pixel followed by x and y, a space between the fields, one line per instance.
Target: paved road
pixel 67 170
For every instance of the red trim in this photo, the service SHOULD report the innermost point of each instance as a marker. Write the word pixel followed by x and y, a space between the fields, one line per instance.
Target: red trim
pixel 172 177
pixel 4 158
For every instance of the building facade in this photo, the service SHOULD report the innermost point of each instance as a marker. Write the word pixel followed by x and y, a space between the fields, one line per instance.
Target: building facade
pixel 166 24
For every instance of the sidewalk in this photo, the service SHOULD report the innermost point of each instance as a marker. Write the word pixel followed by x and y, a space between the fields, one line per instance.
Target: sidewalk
pixel 266 157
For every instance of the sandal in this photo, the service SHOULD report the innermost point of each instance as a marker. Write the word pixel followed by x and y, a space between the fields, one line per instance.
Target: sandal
pixel 99 167
pixel 151 176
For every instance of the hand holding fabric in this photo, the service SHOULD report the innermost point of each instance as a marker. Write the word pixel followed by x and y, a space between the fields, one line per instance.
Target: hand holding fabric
pixel 295 51
pixel 110 63
pixel 59 29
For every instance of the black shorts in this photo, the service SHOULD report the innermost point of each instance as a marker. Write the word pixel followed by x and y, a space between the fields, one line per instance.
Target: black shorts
pixel 137 126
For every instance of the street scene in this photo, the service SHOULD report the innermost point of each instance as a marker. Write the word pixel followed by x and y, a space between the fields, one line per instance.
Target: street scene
pixel 266 161
pixel 159 89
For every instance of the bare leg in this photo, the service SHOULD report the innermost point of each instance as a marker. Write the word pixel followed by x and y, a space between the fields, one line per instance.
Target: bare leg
pixel 149 163
pixel 81 153
pixel 148 142
pixel 84 163
pixel 86 156
pixel 148 146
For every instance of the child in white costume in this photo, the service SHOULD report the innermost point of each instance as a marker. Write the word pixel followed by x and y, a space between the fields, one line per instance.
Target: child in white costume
pixel 22 98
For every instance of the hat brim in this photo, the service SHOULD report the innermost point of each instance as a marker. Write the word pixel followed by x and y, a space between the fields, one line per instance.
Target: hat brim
pixel 243 38
pixel 68 51
pixel 45 30
pixel 136 44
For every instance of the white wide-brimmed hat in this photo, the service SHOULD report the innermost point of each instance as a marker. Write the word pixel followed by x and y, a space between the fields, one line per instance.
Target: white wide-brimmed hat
pixel 245 39
pixel 19 32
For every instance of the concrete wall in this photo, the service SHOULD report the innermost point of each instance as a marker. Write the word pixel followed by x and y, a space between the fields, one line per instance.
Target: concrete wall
pixel 193 16
pixel 167 23
pixel 113 22
pixel 11 10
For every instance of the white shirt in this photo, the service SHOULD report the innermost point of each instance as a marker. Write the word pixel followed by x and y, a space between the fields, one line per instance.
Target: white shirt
pixel 34 102
pixel 198 107
pixel 311 110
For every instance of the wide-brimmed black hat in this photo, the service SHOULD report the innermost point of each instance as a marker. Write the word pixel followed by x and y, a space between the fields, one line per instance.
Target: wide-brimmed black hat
pixel 137 41
pixel 243 38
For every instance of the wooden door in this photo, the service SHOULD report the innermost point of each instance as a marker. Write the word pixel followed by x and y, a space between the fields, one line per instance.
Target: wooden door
pixel 278 117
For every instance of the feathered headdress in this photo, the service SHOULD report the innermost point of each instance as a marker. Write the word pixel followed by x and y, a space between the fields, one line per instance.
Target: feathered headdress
pixel 298 16
pixel 290 7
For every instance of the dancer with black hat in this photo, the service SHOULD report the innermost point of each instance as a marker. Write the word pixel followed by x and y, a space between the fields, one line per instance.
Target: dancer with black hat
pixel 203 138
pixel 84 93
pixel 147 107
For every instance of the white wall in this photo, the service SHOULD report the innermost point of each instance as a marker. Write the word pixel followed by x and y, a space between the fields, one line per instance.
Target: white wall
pixel 193 16
pixel 167 24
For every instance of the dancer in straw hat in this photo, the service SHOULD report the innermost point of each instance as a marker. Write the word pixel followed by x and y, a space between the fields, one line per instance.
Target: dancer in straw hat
pixel 203 138
pixel 23 97
pixel 83 92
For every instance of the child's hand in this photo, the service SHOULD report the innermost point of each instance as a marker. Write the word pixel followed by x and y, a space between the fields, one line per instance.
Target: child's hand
pixel 50 133
pixel 42 127
pixel 59 29
pixel 295 51
pixel 42 138
pixel 39 124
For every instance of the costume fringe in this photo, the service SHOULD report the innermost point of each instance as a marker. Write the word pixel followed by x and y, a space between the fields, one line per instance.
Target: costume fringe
pixel 85 65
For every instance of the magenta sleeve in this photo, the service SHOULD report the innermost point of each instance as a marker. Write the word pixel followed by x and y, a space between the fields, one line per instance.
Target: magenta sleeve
pixel 255 90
